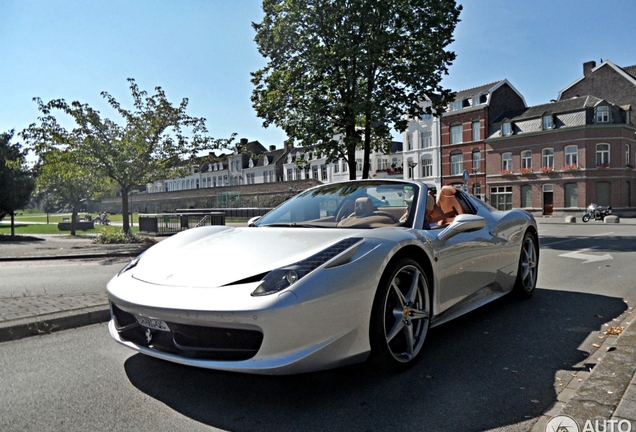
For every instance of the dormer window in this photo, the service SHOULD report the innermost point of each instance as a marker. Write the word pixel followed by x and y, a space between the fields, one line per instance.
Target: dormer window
pixel 455 106
pixel 251 164
pixel 506 128
pixel 265 161
pixel 602 114
pixel 547 122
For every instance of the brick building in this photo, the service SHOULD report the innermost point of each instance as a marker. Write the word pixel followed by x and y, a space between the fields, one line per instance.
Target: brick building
pixel 559 157
pixel 464 127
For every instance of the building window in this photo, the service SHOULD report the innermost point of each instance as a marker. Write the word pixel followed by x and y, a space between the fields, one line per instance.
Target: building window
pixel 323 170
pixel 501 197
pixel 547 158
pixel 571 157
pixel 476 161
pixel 427 166
pixel 547 122
pixel 456 163
pixel 427 139
pixel 506 128
pixel 477 189
pixel 336 167
pixel 627 160
pixel 602 155
pixel 456 134
pixel 289 174
pixel 526 160
pixel 526 196
pixel 506 162
pixel 426 116
pixel 475 129
pixel 314 172
pixel 457 105
pixel 345 167
pixel 602 114
pixel 359 165
pixel 571 195
pixel 409 141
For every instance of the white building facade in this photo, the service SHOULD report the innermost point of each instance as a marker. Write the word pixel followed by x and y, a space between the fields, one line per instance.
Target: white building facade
pixel 422 149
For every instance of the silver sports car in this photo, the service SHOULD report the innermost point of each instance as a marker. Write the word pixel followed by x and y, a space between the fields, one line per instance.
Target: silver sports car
pixel 341 273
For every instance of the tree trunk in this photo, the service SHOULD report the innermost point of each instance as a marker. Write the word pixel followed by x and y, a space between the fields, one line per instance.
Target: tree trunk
pixel 12 224
pixel 124 210
pixel 74 218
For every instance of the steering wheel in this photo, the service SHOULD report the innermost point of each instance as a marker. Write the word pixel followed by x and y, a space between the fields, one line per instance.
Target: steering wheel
pixel 384 213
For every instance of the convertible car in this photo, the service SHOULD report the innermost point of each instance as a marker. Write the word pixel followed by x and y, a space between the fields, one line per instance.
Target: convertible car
pixel 341 273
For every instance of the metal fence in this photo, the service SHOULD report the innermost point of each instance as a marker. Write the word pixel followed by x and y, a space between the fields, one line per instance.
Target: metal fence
pixel 170 223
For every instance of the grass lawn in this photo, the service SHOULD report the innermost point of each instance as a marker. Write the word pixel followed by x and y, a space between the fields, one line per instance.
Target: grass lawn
pixel 23 229
pixel 58 217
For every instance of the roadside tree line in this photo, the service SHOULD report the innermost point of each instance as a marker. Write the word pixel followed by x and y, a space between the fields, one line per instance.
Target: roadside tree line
pixel 350 69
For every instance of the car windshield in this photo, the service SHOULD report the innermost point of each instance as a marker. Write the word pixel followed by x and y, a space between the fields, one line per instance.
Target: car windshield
pixel 355 204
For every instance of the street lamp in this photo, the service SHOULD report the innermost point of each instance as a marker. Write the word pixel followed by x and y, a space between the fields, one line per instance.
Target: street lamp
pixel 412 165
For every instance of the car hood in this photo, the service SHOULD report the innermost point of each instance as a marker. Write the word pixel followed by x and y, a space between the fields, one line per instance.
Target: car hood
pixel 209 257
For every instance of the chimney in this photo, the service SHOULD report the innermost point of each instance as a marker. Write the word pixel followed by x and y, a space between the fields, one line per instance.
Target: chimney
pixel 243 142
pixel 272 148
pixel 289 144
pixel 588 66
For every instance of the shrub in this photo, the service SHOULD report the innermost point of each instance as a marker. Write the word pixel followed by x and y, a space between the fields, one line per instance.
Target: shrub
pixel 112 235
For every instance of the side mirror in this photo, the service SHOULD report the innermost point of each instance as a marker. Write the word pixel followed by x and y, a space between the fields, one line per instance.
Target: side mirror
pixel 461 224
pixel 252 221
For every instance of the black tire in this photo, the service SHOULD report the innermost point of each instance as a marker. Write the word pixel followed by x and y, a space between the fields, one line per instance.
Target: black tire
pixel 400 317
pixel 528 269
pixel 585 218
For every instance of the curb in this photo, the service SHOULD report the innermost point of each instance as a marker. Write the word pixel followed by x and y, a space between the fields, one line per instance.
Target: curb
pixel 598 394
pixel 54 322
pixel 71 256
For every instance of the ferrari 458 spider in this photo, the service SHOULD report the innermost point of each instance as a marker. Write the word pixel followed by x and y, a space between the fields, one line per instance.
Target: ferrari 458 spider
pixel 341 273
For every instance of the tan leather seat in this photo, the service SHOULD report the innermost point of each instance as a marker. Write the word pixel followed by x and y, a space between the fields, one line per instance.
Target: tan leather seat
pixel 449 204
pixel 364 206
pixel 346 210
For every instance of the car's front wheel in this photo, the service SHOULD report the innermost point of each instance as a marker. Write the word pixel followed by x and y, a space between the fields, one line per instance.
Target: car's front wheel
pixel 528 267
pixel 400 317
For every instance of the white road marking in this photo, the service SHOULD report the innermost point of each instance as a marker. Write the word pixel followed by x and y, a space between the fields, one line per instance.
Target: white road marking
pixel 588 257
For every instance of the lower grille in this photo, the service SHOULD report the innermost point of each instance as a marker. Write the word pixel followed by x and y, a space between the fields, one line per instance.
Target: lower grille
pixel 198 342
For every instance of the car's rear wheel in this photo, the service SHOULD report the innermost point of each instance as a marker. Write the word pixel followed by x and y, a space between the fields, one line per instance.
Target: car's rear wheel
pixel 400 317
pixel 528 267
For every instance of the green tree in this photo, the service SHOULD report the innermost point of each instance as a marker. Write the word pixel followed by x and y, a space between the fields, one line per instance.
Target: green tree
pixel 350 68
pixel 153 143
pixel 16 180
pixel 66 180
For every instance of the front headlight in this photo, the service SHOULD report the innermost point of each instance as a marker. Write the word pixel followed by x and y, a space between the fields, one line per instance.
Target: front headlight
pixel 130 265
pixel 279 279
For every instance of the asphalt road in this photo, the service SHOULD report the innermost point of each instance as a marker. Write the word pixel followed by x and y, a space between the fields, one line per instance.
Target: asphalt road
pixel 498 368
pixel 57 277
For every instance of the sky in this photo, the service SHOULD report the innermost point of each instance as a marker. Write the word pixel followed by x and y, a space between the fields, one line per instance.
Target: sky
pixel 204 50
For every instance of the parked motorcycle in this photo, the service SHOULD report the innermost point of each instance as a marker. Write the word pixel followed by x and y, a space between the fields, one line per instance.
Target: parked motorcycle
pixel 596 212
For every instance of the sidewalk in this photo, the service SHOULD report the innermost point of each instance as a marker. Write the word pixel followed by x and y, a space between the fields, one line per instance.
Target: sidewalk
pixel 33 315
pixel 606 392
